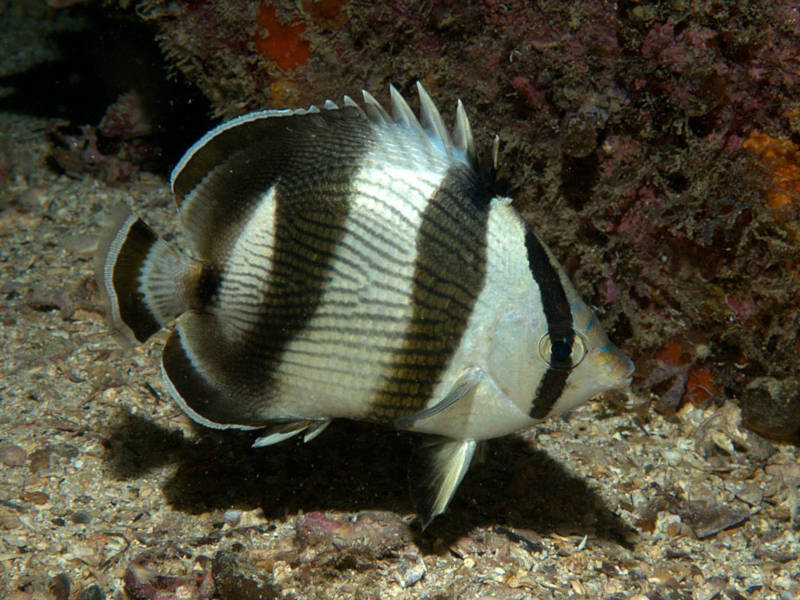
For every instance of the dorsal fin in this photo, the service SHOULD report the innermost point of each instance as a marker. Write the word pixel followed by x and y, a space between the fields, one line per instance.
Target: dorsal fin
pixel 188 172
pixel 223 176
pixel 431 119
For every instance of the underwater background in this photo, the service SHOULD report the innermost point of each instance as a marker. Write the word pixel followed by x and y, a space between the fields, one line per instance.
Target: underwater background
pixel 653 145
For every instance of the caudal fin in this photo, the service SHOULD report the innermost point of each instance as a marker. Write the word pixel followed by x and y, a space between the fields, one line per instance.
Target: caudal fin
pixel 144 279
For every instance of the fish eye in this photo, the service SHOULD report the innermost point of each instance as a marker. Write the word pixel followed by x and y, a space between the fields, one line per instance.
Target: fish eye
pixel 562 350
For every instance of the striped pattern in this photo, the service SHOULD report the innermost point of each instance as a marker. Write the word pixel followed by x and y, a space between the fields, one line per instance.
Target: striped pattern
pixel 222 177
pixel 341 249
pixel 365 335
pixel 275 255
pixel 357 265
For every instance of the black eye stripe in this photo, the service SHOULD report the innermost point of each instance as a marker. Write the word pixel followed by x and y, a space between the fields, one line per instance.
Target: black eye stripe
pixel 558 314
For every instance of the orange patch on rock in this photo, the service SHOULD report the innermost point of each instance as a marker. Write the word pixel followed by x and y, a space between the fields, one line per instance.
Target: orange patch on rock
pixel 282 44
pixel 671 354
pixel 699 386
pixel 781 157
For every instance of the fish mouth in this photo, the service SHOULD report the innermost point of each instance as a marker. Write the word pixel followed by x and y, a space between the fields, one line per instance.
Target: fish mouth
pixel 630 368
pixel 618 368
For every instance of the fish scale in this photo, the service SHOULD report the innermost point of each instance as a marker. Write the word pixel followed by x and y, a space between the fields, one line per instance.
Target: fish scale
pixel 344 263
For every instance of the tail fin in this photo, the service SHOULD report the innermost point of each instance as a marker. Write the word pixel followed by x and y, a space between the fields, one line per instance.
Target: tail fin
pixel 145 280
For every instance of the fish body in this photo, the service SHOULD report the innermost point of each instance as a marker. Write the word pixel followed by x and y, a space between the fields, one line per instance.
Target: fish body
pixel 345 263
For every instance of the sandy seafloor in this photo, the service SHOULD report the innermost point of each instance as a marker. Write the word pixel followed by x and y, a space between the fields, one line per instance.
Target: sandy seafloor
pixel 106 485
pixel 102 475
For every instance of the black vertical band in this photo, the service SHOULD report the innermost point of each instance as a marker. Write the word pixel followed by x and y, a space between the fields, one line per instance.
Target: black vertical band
pixel 449 274
pixel 558 314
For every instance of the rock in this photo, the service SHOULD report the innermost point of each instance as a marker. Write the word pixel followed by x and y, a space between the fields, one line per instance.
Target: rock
pixel 707 518
pixel 371 534
pixel 771 407
pixel 81 517
pixel 146 579
pixel 235 577
pixel 40 460
pixel 38 498
pixel 8 519
pixel 411 570
pixel 232 517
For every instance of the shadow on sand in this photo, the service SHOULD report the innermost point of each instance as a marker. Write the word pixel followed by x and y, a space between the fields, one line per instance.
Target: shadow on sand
pixel 353 467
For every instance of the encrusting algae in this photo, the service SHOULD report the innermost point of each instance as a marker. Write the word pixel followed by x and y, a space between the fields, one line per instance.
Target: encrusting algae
pixel 281 43
pixel 781 158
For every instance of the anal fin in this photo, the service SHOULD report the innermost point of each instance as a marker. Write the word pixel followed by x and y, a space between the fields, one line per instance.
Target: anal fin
pixel 442 463
pixel 285 429
pixel 193 391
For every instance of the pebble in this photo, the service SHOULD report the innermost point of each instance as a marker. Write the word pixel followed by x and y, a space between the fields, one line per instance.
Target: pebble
pixel 60 586
pixel 410 573
pixel 38 498
pixel 371 533
pixel 232 517
pixel 673 457
pixel 12 456
pixel 8 519
pixel 235 577
pixel 40 460
pixel 81 517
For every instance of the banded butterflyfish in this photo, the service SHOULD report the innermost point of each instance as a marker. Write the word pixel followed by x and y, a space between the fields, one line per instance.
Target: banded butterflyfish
pixel 345 262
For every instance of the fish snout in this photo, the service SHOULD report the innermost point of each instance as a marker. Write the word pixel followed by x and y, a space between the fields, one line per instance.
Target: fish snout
pixel 614 367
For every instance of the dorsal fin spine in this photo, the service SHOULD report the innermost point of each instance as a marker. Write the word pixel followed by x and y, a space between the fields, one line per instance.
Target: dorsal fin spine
pixel 402 112
pixel 462 132
pixel 431 119
pixel 373 108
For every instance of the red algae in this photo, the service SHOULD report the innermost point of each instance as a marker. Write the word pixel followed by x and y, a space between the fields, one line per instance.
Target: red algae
pixel 282 43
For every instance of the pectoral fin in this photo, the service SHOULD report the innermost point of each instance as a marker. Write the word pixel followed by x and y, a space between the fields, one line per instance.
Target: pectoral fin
pixel 465 384
pixel 441 464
